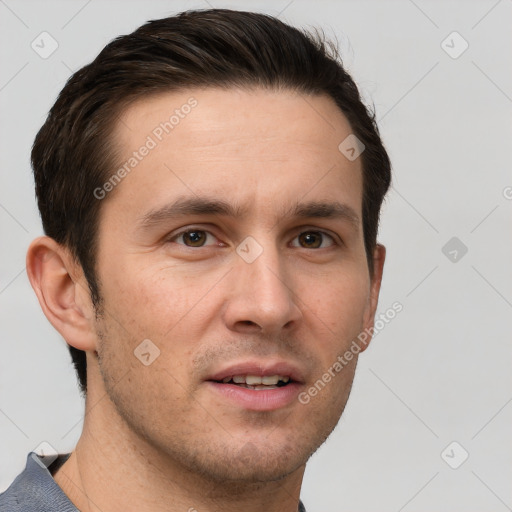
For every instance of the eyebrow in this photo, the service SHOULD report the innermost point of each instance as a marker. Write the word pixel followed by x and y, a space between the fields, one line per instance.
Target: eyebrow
pixel 188 206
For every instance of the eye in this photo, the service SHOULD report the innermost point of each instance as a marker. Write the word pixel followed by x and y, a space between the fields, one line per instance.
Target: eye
pixel 193 237
pixel 314 240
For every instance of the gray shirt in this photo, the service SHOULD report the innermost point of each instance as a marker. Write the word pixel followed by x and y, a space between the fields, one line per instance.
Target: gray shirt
pixel 35 490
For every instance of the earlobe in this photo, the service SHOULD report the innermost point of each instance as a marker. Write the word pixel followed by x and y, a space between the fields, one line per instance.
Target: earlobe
pixel 62 292
pixel 379 257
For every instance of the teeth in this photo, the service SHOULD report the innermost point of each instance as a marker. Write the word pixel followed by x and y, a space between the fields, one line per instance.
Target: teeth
pixel 256 380
pixel 253 380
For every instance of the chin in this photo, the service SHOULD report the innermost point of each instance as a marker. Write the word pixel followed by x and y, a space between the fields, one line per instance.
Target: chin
pixel 251 464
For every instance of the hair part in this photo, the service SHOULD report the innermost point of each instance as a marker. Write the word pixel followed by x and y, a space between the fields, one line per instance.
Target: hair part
pixel 73 153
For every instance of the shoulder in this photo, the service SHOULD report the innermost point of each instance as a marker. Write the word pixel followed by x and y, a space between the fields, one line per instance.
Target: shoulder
pixel 34 490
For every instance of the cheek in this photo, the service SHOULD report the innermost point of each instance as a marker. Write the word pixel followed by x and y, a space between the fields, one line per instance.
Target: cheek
pixel 142 317
pixel 156 302
pixel 147 397
pixel 338 305
pixel 173 311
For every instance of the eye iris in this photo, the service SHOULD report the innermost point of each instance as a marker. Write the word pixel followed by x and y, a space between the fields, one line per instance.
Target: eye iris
pixel 196 238
pixel 311 239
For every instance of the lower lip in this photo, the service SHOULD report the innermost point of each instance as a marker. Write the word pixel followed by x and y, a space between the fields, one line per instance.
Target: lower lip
pixel 257 399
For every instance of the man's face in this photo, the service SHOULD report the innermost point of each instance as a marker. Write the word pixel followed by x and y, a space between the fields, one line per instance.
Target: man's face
pixel 286 301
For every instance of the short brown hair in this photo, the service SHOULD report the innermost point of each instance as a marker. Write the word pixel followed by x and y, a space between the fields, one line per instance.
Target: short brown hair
pixel 72 153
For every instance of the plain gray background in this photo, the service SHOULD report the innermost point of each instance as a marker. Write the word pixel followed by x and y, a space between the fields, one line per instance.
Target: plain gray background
pixel 439 372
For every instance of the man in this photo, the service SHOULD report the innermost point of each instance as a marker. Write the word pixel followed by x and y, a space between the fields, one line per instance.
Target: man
pixel 210 189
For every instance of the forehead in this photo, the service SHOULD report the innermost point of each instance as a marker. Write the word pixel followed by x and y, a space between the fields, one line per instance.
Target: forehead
pixel 250 146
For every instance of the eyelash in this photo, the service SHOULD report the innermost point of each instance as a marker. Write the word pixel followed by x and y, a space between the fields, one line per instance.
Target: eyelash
pixel 191 229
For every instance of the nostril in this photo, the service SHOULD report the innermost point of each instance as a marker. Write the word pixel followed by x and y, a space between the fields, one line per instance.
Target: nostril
pixel 247 326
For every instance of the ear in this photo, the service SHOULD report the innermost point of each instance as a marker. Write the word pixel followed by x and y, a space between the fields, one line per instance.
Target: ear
pixel 62 291
pixel 379 256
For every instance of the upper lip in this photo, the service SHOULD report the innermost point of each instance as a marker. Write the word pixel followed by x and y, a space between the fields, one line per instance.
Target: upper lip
pixel 260 368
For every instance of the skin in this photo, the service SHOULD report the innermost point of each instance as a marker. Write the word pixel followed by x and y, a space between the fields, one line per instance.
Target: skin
pixel 157 434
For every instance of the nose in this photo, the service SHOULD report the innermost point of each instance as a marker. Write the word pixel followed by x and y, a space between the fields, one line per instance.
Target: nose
pixel 262 299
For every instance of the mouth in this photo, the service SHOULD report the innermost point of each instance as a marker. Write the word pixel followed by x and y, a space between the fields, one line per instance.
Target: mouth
pixel 257 382
pixel 257 386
